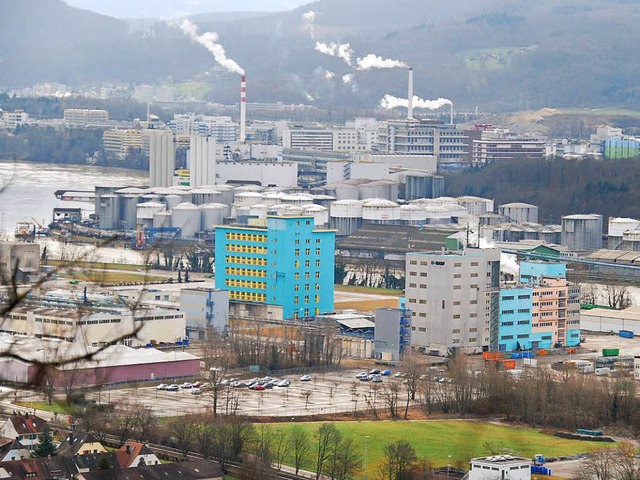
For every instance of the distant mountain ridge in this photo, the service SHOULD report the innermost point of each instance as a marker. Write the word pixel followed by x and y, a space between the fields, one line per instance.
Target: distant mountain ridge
pixel 499 55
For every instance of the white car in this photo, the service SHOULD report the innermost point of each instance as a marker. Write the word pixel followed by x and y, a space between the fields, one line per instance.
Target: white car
pixel 283 383
pixel 196 391
pixel 186 385
pixel 305 378
pixel 162 386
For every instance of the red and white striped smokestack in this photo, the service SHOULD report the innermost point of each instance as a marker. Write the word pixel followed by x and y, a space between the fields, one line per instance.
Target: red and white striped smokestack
pixel 243 109
pixel 410 96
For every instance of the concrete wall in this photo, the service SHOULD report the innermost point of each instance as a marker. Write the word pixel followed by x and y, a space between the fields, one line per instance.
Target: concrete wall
pixel 279 174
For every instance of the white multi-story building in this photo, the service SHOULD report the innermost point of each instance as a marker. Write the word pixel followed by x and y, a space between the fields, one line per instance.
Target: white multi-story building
pixel 80 117
pixel 454 299
pixel 118 142
pixel 357 136
pixel 12 120
pixel 222 129
pixel 202 161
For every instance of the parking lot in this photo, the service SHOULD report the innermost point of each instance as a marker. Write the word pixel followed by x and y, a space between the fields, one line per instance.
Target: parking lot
pixel 331 392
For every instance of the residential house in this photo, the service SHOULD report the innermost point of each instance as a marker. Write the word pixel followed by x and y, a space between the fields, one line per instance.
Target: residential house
pixel 25 428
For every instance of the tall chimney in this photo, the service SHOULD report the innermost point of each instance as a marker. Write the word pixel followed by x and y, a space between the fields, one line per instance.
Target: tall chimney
pixel 410 96
pixel 451 113
pixel 243 109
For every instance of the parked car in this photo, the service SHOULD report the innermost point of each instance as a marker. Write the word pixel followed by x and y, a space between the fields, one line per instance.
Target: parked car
pixel 376 379
pixel 284 383
pixel 174 387
pixel 385 373
pixel 374 371
pixel 362 375
pixel 186 385
pixel 162 386
pixel 198 384
pixel 399 374
pixel 305 378
pixel 196 391
pixel 258 387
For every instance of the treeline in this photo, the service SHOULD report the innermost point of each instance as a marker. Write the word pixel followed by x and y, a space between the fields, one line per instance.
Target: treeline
pixel 557 186
pixel 47 145
pixel 50 107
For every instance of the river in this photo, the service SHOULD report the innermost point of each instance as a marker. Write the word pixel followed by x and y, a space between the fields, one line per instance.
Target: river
pixel 28 188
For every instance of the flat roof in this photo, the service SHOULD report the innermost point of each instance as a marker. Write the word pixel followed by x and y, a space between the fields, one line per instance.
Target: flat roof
pixel 356 323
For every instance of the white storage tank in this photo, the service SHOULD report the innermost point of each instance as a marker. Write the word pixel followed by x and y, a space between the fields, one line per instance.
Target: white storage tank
pixel 519 212
pixel 145 211
pixel 273 198
pixel 379 210
pixel 324 200
pixel 131 191
pixel 297 199
pixel 203 195
pixel 582 232
pixel 550 235
pixel 162 219
pixel 258 210
pixel 226 194
pixel 437 215
pixel 413 215
pixel 128 211
pixel 212 214
pixel 245 199
pixel 345 216
pixel 187 217
pixel 631 241
pixel 172 201
pixel 383 189
pixel 617 227
pixel 346 191
pixel 109 212
pixel 319 213
pixel 476 206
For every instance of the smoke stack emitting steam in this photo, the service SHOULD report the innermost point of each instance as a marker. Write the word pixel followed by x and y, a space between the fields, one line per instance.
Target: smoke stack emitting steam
pixel 243 109
pixel 410 96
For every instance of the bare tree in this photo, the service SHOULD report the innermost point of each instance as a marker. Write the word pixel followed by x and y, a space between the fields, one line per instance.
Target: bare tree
pixel 618 297
pixel 397 460
pixel 327 436
pixel 300 446
pixel 280 446
pixel 144 421
pixel 627 465
pixel 305 395
pixel 599 466
pixel 390 394
pixel 183 432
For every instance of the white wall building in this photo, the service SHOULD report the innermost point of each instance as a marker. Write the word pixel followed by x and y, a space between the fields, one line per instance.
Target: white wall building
pixel 341 171
pixel 205 309
pixel 202 161
pixel 500 467
pixel 278 174
pixel 453 298
pixel 12 120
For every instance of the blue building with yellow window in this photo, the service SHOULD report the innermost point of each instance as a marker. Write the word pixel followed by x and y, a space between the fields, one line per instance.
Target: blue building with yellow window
pixel 288 263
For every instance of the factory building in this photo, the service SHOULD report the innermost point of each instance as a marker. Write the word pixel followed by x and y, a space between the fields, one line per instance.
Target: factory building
pixel 205 310
pixel 392 336
pixel 519 212
pixel 446 142
pixel 454 299
pixel 500 467
pixel 423 185
pixel 19 259
pixel 582 232
pixel 288 263
pixel 541 311
pixel 499 146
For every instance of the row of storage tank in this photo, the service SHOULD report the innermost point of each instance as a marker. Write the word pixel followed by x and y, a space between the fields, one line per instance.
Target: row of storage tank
pixel 200 209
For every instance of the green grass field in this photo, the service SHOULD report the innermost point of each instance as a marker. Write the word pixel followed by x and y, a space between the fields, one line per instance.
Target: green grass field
pixel 376 291
pixel 438 439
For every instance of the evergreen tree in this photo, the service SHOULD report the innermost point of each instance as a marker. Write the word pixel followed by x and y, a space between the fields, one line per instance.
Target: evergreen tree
pixel 45 446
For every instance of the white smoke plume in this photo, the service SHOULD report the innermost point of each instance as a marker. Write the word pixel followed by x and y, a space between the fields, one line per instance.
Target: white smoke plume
pixel 389 101
pixel 374 61
pixel 340 50
pixel 348 78
pixel 209 40
pixel 508 262
pixel 309 18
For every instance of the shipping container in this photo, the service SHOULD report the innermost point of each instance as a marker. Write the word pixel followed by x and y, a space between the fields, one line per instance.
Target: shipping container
pixel 610 352
pixel 543 352
pixel 626 333
pixel 593 433
pixel 491 355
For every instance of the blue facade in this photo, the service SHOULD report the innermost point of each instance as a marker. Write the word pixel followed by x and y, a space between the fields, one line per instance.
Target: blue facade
pixel 531 271
pixel 515 319
pixel 542 339
pixel 288 264
pixel 573 337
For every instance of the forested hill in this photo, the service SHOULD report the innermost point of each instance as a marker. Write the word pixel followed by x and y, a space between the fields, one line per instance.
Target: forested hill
pixel 559 187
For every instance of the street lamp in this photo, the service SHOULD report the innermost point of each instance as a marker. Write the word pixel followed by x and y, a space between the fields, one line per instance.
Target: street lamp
pixel 366 438
pixel 448 465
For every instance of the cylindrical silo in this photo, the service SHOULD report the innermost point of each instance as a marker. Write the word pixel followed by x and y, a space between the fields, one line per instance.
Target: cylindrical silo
pixel 212 214
pixel 172 201
pixel 128 211
pixel 243 199
pixel 346 191
pixel 519 212
pixel 297 199
pixel 379 210
pixel 109 211
pixel 258 210
pixel 345 216
pixel 226 194
pixel 145 211
pixel 273 198
pixel 437 215
pixel 491 219
pixel 203 195
pixel 162 219
pixel 187 217
pixel 324 200
pixel 320 214
pixel 617 227
pixel 413 215
pixel 582 232
pixel 476 206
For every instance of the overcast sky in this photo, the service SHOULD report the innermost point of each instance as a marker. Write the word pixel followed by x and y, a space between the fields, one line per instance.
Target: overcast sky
pixel 176 8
